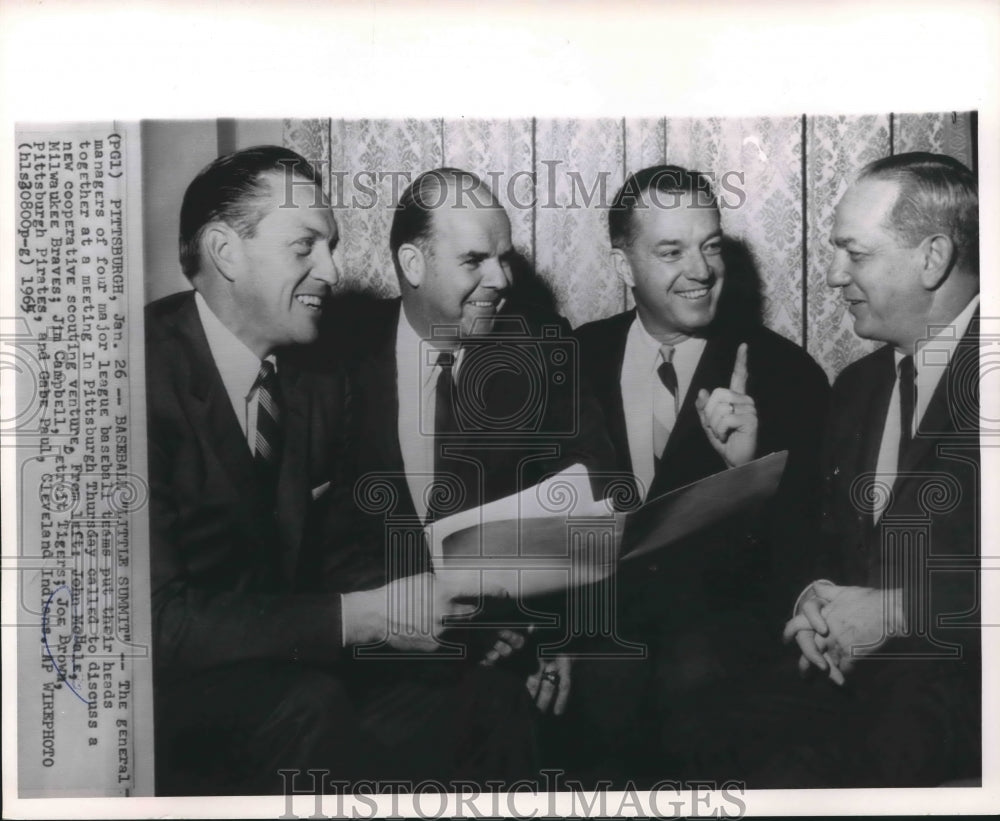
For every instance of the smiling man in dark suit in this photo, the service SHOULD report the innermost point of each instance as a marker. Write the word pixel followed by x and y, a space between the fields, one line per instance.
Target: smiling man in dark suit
pixel 248 448
pixel 465 395
pixel 687 393
pixel 898 626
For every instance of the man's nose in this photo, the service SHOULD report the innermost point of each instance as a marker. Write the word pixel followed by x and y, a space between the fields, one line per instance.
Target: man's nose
pixel 836 274
pixel 495 275
pixel 326 269
pixel 698 268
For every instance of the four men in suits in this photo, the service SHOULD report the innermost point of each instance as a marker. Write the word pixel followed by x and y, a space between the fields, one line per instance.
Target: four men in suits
pixel 289 493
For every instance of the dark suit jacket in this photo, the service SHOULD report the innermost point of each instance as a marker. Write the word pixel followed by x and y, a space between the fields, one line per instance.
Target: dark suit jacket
pixel 921 709
pixel 791 393
pixel 224 563
pixel 927 540
pixel 544 418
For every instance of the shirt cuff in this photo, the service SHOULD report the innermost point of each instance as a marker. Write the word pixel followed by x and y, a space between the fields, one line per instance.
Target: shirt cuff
pixel 805 593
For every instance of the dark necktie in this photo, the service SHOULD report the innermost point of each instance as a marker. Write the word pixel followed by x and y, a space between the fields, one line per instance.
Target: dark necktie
pixel 444 401
pixel 445 428
pixel 668 376
pixel 267 445
pixel 907 401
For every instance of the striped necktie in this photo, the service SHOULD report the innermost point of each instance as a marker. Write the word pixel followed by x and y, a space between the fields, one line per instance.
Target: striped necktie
pixel 267 444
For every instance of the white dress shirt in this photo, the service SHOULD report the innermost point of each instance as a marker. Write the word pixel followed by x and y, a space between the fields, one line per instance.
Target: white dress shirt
pixel 237 365
pixel 644 395
pixel 930 362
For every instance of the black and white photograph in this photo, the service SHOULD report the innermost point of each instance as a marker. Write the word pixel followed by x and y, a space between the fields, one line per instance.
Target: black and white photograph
pixel 531 464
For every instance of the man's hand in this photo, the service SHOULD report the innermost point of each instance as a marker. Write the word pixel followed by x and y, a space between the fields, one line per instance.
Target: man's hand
pixel 811 633
pixel 550 685
pixel 409 613
pixel 848 623
pixel 729 417
pixel 508 642
pixel 861 620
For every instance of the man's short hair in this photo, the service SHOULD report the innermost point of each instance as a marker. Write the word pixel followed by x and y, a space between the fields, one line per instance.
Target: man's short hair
pixel 669 180
pixel 411 220
pixel 233 189
pixel 937 195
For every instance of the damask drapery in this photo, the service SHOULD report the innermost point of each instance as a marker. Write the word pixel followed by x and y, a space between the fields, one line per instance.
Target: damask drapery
pixel 554 175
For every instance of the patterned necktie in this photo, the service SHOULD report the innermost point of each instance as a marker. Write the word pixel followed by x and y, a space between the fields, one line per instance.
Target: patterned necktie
pixel 267 445
pixel 907 401
pixel 668 376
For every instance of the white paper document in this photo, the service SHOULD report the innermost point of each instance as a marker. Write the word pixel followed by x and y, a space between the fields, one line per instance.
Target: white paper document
pixel 556 535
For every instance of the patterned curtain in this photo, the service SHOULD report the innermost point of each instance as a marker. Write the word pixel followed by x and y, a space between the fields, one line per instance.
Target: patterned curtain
pixel 555 177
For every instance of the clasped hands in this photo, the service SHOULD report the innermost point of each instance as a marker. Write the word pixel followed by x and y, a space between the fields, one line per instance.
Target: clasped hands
pixel 729 417
pixel 411 613
pixel 835 626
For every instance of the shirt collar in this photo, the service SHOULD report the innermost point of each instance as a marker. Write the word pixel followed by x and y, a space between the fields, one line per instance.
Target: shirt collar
pixel 951 332
pixel 938 350
pixel 686 353
pixel 238 365
pixel 934 356
pixel 417 355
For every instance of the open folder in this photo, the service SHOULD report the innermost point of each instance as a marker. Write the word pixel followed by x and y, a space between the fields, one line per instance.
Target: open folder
pixel 555 535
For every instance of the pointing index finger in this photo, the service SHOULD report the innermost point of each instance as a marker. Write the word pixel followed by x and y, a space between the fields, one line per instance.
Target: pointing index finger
pixel 738 382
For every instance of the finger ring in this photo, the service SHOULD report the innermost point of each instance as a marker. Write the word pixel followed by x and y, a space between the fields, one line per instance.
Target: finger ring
pixel 732 408
pixel 551 676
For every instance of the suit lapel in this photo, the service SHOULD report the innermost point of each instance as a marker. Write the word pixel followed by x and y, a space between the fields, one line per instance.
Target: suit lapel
pixel 938 419
pixel 615 358
pixel 858 453
pixel 378 382
pixel 883 382
pixel 295 476
pixel 214 418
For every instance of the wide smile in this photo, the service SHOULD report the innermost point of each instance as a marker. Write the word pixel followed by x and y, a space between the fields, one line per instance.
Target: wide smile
pixel 485 304
pixel 694 294
pixel 312 302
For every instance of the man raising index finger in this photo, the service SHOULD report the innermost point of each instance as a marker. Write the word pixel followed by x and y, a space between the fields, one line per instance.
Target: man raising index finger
pixel 729 417
pixel 690 388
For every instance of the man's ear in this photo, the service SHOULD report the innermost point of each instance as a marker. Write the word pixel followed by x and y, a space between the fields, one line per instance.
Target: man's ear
pixel 937 255
pixel 223 247
pixel 622 267
pixel 412 263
